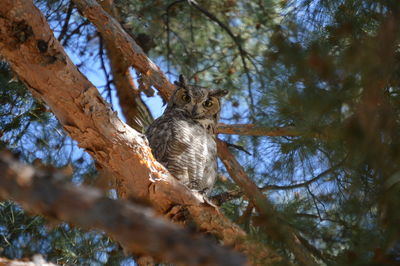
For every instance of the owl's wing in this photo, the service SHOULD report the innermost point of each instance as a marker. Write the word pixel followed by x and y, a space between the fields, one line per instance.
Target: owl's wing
pixel 167 139
pixel 158 134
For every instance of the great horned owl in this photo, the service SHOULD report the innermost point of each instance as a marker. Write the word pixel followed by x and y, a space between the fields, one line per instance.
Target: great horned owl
pixel 183 138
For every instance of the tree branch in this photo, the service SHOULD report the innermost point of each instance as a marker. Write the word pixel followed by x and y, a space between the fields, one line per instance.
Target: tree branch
pixel 135 226
pixel 112 32
pixel 36 260
pixel 226 196
pixel 124 45
pixel 238 43
pixel 64 28
pixel 254 130
pixel 275 228
pixel 77 30
pixel 303 184
pixel 134 109
pixel 51 76
pixel 104 68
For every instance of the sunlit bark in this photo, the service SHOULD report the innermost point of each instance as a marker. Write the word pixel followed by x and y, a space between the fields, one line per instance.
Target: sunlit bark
pixel 28 44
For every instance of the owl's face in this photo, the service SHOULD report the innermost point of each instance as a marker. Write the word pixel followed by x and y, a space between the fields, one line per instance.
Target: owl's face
pixel 197 102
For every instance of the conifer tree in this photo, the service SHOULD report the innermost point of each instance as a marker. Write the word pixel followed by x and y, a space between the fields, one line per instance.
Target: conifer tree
pixel 309 152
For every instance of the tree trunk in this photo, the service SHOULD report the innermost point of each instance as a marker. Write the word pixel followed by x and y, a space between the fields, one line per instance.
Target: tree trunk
pixel 27 43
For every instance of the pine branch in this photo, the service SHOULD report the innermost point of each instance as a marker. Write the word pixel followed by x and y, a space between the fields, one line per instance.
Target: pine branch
pixel 237 41
pixel 238 147
pixel 257 130
pixel 246 214
pixel 134 109
pixel 52 77
pixel 269 216
pixel 112 32
pixel 226 196
pixel 303 184
pixel 136 227
pixel 64 28
pixel 104 69
pixel 254 130
pixel 77 30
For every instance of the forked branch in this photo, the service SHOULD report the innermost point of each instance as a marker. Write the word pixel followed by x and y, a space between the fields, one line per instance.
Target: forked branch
pixel 52 77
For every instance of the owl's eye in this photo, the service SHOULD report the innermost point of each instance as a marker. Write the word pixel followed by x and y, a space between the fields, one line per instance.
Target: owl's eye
pixel 186 98
pixel 208 103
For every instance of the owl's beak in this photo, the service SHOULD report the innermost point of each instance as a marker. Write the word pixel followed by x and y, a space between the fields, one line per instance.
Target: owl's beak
pixel 194 110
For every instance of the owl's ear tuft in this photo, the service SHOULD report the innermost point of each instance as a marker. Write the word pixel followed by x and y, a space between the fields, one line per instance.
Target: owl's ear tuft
pixel 219 93
pixel 182 81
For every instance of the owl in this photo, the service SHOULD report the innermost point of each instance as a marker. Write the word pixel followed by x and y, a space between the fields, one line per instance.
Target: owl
pixel 183 138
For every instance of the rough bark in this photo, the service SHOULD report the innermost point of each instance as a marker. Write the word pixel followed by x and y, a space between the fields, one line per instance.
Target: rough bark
pixel 89 8
pixel 254 130
pixel 133 108
pixel 125 45
pixel 136 227
pixel 28 44
pixel 125 48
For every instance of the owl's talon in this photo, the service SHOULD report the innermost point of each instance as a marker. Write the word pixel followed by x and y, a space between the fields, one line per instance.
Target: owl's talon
pixel 201 196
pixel 209 202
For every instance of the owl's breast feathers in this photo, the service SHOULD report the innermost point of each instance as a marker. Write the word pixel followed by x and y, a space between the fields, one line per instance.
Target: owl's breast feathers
pixel 186 149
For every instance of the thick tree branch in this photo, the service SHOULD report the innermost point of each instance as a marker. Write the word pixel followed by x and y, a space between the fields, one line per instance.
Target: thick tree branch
pixel 275 227
pixel 135 226
pixel 51 76
pixel 165 91
pixel 122 44
pixel 36 260
pixel 254 130
pixel 134 109
pixel 112 32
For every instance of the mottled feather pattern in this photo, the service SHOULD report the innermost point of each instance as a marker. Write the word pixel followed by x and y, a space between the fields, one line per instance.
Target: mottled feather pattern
pixel 186 149
pixel 183 139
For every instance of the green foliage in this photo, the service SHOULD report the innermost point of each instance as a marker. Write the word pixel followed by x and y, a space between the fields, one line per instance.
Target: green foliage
pixel 23 236
pixel 28 128
pixel 328 68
